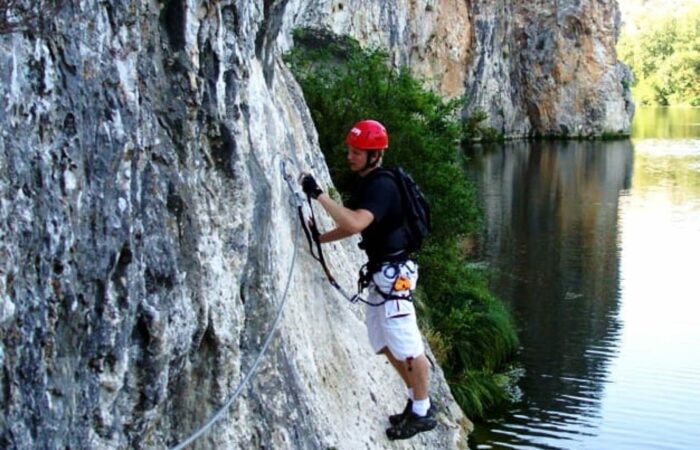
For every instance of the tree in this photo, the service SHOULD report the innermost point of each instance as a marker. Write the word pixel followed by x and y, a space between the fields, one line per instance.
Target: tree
pixel 663 51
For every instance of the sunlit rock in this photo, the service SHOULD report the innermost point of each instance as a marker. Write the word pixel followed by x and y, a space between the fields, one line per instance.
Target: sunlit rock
pixel 535 67
pixel 147 236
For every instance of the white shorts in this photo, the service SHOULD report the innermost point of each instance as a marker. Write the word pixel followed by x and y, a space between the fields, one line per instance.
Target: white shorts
pixel 393 324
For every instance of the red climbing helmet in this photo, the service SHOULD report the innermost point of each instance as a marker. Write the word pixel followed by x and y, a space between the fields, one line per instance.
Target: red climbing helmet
pixel 368 135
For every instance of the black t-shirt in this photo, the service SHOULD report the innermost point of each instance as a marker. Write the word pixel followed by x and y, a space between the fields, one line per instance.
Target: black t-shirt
pixel 378 193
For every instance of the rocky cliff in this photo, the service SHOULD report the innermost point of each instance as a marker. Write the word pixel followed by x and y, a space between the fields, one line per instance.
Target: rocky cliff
pixel 550 68
pixel 544 67
pixel 147 236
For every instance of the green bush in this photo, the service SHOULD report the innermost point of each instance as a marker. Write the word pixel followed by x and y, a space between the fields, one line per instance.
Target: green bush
pixel 663 51
pixel 343 83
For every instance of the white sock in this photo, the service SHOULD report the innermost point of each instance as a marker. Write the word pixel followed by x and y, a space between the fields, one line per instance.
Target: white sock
pixel 409 392
pixel 420 407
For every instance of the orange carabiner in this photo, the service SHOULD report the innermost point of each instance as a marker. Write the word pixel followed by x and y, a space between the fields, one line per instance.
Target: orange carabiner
pixel 402 284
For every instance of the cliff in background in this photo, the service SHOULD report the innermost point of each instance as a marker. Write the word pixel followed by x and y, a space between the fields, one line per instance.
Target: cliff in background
pixel 146 232
pixel 541 67
pixel 550 68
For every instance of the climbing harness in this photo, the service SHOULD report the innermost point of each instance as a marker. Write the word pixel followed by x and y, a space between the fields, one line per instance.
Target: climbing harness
pixel 400 284
pixel 365 275
pixel 220 413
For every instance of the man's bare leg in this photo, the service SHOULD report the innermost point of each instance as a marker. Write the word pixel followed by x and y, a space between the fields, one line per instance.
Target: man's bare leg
pixel 418 371
pixel 400 367
pixel 419 419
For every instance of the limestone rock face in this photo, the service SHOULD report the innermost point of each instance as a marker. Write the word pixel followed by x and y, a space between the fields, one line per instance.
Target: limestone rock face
pixel 540 67
pixel 433 37
pixel 550 68
pixel 147 236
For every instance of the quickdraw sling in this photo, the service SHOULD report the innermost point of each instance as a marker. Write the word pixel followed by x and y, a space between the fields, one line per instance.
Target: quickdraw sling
pixel 312 237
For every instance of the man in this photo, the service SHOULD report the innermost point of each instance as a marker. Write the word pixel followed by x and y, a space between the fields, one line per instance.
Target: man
pixel 375 211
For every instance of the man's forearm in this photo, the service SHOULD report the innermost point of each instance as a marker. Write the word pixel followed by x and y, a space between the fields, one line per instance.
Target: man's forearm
pixel 342 216
pixel 334 235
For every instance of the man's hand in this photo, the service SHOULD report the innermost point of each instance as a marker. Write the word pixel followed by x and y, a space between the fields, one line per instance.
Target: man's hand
pixel 310 186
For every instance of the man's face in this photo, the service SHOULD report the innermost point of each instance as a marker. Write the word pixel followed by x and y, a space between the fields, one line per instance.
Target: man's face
pixel 357 159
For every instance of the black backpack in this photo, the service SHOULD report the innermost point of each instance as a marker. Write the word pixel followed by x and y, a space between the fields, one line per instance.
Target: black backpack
pixel 416 211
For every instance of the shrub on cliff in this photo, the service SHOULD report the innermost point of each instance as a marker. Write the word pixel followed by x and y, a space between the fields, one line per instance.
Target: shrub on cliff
pixel 342 83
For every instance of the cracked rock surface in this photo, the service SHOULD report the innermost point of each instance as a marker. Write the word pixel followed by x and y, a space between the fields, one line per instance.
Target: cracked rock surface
pixel 147 236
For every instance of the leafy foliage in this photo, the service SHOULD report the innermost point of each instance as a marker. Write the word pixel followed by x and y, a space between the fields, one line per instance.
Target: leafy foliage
pixel 343 83
pixel 663 51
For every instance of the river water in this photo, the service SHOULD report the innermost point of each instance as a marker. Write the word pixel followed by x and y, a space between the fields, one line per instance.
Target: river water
pixel 595 246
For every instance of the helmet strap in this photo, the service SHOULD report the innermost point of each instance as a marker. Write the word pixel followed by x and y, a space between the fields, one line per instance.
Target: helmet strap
pixel 373 158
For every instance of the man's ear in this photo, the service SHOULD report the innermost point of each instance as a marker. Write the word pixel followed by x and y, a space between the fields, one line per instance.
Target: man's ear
pixel 374 158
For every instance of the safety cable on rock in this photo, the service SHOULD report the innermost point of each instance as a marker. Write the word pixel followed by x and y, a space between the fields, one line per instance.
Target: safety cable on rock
pixel 258 359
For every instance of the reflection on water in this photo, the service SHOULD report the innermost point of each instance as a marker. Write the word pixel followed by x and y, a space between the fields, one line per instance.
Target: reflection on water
pixel 552 210
pixel 666 123
pixel 595 246
pixel 652 396
pixel 669 166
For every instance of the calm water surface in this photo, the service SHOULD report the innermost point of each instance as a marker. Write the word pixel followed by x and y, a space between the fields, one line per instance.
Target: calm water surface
pixel 596 248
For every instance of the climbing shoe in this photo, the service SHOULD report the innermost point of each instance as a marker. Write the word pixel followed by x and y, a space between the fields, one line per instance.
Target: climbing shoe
pixel 394 419
pixel 411 425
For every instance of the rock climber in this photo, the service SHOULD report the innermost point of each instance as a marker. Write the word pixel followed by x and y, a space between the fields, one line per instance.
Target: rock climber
pixel 375 211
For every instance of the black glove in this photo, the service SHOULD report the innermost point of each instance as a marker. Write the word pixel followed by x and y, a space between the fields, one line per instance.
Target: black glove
pixel 310 187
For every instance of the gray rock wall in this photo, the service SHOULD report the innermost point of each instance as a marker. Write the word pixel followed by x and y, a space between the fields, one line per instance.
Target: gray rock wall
pixel 550 68
pixel 433 37
pixel 146 237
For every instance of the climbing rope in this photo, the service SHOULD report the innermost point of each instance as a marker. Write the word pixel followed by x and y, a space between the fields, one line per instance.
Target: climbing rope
pixel 318 256
pixel 312 237
pixel 220 413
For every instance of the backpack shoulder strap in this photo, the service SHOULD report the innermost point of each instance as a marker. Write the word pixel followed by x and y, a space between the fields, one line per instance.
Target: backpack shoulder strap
pixel 383 171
